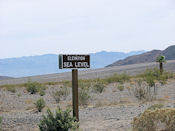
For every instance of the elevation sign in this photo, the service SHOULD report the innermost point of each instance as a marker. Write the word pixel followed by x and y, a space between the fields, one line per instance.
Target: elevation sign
pixel 74 61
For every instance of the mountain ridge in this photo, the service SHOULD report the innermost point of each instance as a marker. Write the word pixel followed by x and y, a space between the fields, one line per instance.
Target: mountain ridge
pixel 48 63
pixel 149 56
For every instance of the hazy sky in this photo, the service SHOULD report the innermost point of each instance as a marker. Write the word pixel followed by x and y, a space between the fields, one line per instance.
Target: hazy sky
pixel 33 27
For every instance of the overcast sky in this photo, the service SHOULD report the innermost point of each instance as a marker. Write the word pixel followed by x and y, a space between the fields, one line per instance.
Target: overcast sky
pixel 34 27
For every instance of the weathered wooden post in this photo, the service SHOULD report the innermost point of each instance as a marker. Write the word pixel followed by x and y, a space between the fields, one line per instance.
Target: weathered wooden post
pixel 75 93
pixel 74 62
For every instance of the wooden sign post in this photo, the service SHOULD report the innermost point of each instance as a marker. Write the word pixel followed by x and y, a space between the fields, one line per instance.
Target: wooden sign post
pixel 74 62
pixel 75 93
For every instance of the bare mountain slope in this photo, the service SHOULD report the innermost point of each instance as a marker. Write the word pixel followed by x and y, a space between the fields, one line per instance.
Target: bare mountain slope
pixel 5 77
pixel 150 56
pixel 92 73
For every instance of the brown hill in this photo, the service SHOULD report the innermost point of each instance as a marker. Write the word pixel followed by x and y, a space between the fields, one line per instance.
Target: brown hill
pixel 150 56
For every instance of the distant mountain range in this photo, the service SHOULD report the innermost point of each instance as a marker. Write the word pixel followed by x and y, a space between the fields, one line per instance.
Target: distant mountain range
pixel 150 56
pixel 4 77
pixel 48 64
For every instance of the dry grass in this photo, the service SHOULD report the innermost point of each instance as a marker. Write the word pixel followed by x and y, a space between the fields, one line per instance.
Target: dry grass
pixel 28 101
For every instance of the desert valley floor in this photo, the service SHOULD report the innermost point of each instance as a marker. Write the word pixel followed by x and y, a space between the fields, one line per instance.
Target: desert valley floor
pixel 113 109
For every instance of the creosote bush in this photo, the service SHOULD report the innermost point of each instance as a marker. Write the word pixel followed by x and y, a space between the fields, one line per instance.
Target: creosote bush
pixel 98 87
pixel 40 104
pixel 153 120
pixel 61 94
pixel 58 121
pixel 84 97
pixel 34 87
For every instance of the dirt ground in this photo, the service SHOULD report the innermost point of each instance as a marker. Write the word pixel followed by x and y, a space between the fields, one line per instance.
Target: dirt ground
pixel 111 110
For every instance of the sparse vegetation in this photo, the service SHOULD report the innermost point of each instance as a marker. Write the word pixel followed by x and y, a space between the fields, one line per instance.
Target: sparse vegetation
pixel 152 75
pixel 84 97
pixel 155 106
pixel 0 123
pixel 98 87
pixel 120 87
pixel 11 89
pixel 34 87
pixel 148 91
pixel 61 94
pixel 139 86
pixel 42 92
pixel 40 104
pixel 153 120
pixel 60 121
pixel 117 78
pixel 143 91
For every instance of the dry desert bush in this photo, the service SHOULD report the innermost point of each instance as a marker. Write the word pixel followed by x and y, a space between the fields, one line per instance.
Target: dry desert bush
pixel 155 119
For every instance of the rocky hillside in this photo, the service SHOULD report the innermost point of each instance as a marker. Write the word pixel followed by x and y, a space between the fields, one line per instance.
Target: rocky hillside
pixel 150 56
pixel 4 77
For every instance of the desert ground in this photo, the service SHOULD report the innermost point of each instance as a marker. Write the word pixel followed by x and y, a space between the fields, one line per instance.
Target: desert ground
pixel 113 109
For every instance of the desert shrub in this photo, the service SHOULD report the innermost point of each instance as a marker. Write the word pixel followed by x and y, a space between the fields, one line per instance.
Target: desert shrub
pixel 150 81
pixel 98 87
pixel 61 94
pixel 57 96
pixel 32 87
pixel 152 120
pixel 151 72
pixel 41 92
pixel 11 89
pixel 67 83
pixel 51 83
pixel 120 87
pixel 155 106
pixel 117 78
pixel 142 91
pixel 84 84
pixel 40 104
pixel 164 77
pixel 41 89
pixel 60 121
pixel 83 97
pixel 151 75
pixel 0 123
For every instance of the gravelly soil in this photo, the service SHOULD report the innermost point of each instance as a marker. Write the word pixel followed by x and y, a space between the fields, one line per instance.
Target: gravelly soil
pixel 112 110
